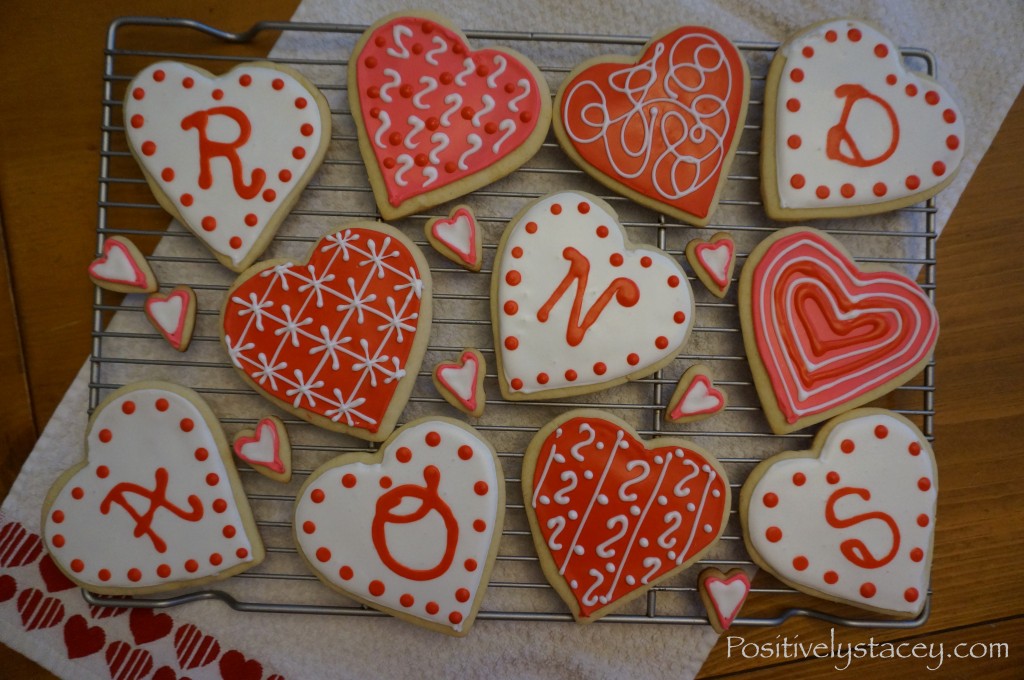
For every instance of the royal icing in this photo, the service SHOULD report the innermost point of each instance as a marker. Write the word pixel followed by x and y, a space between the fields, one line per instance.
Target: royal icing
pixel 567 286
pixel 713 261
pixel 827 333
pixel 461 379
pixel 727 595
pixel 664 126
pixel 695 397
pixel 153 503
pixel 335 336
pixel 263 448
pixel 229 152
pixel 853 126
pixel 458 233
pixel 434 112
pixel 617 516
pixel 412 532
pixel 856 522
pixel 119 265
pixel 172 314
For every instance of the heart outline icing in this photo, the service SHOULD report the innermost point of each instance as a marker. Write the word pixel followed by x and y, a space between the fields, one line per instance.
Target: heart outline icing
pixel 566 282
pixel 724 595
pixel 227 156
pixel 436 119
pixel 825 521
pixel 338 338
pixel 849 127
pixel 661 128
pixel 427 563
pixel 622 532
pixel 156 504
pixel 824 335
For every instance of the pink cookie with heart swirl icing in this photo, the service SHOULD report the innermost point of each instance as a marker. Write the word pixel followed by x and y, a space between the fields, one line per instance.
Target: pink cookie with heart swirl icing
pixel 437 119
pixel 852 519
pixel 849 130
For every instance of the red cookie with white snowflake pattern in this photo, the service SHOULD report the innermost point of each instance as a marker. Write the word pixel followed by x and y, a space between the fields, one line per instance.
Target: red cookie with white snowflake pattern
pixel 849 130
pixel 613 515
pixel 339 338
pixel 412 530
pixel 461 383
pixel 713 261
pixel 852 519
pixel 566 286
pixel 227 156
pixel 436 119
pixel 156 504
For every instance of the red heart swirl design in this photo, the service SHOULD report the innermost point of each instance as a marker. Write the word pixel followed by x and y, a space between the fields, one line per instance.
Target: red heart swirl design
pixel 828 335
pixel 433 114
pixel 615 515
pixel 81 639
pixel 336 336
pixel 661 128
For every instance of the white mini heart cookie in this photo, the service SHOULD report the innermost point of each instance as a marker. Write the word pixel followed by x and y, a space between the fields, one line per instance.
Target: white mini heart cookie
pixel 227 156
pixel 157 503
pixel 850 130
pixel 576 307
pixel 412 531
pixel 852 519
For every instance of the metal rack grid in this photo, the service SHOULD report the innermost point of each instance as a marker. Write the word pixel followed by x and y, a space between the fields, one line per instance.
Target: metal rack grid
pixel 128 349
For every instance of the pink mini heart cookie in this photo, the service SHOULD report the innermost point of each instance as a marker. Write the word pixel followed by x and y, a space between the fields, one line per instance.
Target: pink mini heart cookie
pixel 227 156
pixel 156 504
pixel 723 595
pixel 457 237
pixel 462 383
pixel 413 530
pixel 853 518
pixel 436 119
pixel 122 268
pixel 566 284
pixel 849 130
pixel 695 397
pixel 174 315
pixel 713 262
pixel 266 448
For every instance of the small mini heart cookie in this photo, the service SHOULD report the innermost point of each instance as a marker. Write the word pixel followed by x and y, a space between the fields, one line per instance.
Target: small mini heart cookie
pixel 457 237
pixel 174 315
pixel 267 449
pixel 567 285
pixel 853 518
pixel 156 504
pixel 227 156
pixel 613 515
pixel 713 262
pixel 413 530
pixel 849 130
pixel 436 119
pixel 723 595
pixel 122 268
pixel 695 397
pixel 462 383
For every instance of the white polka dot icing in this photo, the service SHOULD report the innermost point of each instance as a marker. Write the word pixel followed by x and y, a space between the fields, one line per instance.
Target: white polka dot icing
pixel 854 523
pixel 154 503
pixel 567 286
pixel 412 531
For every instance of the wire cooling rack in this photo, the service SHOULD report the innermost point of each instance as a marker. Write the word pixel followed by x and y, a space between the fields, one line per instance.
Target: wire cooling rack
pixel 128 349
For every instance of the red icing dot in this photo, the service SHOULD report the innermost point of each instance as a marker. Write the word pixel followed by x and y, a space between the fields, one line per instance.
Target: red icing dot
pixel 880 189
pixel 602 231
pixel 106 435
pixel 404 454
pixel 831 36
pixel 201 454
pixel 455 618
pixel 868 590
pixel 911 595
pixel 482 71
pixel 952 142
pixel 187 83
pixel 467 112
pixel 407 600
pixel 679 317
pixel 58 541
pixel 799 478
pixel 832 477
pixel 345 573
pixel 793 104
pixel 600 368
pixel 949 115
pixel 389 163
pixel 149 148
pixel 449 167
pixel 800 563
pixel 462 594
pixel 269 195
pixel 517 252
pixel 771 500
pixel 911 90
pixel 212 479
pixel 822 192
pixel 306 129
pixel 913 182
pixel 924 484
pixel 433 439
pixel 831 577
pixel 159 75
pixel 102 472
pixel 373 92
pixel 348 481
pixel 616 260
pixel 510 88
pixel 216 559
pixel 797 181
pixel 932 97
pixel 673 281
pixel 138 93
pixel 808 52
pixel 58 516
pixel 251 220
pixel 938 168
pixel 245 80
pixel 854 34
pixel 571 375
pixel 479 525
pixel 186 425
pixel 277 84
pixel 433 123
pixel 516 384
pixel 191 566
pixel 376 588
pixel 77 493
pixel 794 142
pixel 446 78
pixel 134 574
pixel 405 91
pixel 847 190
pixel 309 527
pixel 209 223
pixel 847 446
pixel 104 574
pixel 556 209
pixel 881 431
pixel 433 608
pixel 186 200
pixel 242 553
pixel 220 505
pixel 881 51
pixel 167 174
pixel 531 227
pixel 796 75
pixel 923 520
pixel 661 342
pixel 318 496
pixel 163 571
pixel 301 103
pixel 298 153
pixel 646 262
pixel 526 116
pixel 421 159
pixel 229 531
pixel 323 554
pixel 511 307
pixel 633 359
pixel 379 41
pixel 417 49
pixel 465 452
pixel 513 278
pixel 542 378
pixel 481 488
pixel 138 121
pixel 218 94
pixel 470 564
pixel 914 449
pixel 385 482
pixel 773 534
pixel 583 207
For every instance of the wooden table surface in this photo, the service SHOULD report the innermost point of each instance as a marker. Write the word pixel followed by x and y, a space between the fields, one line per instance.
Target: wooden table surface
pixel 50 75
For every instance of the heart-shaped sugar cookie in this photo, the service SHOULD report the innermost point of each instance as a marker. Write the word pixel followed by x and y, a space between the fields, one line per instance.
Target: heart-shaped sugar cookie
pixel 157 503
pixel 853 518
pixel 436 119
pixel 462 383
pixel 122 268
pixel 713 261
pixel 613 515
pixel 566 284
pixel 174 315
pixel 723 595
pixel 412 531
pixel 338 339
pixel 266 448
pixel 850 130
pixel 695 397
pixel 457 237
pixel 227 155
pixel 661 128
